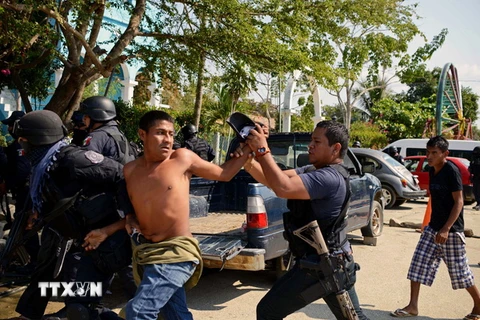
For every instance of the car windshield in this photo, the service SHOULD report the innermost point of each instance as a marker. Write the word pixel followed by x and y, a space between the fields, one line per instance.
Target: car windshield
pixel 391 161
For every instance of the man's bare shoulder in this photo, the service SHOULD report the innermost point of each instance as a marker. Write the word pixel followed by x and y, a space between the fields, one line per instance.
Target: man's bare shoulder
pixel 181 152
pixel 129 167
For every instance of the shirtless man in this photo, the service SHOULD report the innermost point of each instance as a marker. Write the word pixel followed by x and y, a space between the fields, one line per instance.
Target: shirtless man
pixel 158 186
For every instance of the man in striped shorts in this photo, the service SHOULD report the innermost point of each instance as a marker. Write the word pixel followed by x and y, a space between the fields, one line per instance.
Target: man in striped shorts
pixel 443 238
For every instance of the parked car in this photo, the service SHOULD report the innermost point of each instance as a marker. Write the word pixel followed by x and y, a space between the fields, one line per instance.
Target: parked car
pixel 398 184
pixel 418 166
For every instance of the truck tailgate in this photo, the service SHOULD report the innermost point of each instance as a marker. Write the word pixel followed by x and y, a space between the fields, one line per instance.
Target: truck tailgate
pixel 219 234
pixel 219 223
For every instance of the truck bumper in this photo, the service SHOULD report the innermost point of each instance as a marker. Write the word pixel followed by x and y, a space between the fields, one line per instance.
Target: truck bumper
pixel 248 259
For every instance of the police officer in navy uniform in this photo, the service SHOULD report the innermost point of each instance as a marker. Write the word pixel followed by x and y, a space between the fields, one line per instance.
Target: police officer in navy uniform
pixel 76 198
pixel 15 173
pixel 104 136
pixel 196 144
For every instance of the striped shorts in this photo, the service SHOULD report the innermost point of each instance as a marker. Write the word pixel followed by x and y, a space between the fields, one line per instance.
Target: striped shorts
pixel 427 256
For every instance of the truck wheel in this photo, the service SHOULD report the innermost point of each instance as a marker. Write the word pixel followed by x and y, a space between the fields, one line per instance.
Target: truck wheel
pixel 283 264
pixel 390 196
pixel 375 225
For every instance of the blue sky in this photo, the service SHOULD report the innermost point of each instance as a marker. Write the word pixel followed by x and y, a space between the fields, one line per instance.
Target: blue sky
pixel 462 45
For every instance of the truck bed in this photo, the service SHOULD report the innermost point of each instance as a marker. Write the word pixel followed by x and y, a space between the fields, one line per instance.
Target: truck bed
pixel 225 222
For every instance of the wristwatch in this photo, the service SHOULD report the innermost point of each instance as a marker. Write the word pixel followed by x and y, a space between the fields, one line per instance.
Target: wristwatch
pixel 261 152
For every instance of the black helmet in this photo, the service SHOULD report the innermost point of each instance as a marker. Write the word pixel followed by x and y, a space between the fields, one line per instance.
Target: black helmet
pixel 241 124
pixel 99 108
pixel 189 130
pixel 392 150
pixel 476 151
pixel 77 118
pixel 13 117
pixel 40 127
pixel 357 144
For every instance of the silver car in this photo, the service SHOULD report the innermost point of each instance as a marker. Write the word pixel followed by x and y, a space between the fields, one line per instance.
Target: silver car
pixel 398 184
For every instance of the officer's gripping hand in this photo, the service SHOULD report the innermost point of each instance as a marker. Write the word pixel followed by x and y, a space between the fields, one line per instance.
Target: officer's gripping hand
pixel 131 223
pixel 31 220
pixel 93 239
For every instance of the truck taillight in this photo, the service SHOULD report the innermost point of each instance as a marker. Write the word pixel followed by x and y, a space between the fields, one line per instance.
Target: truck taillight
pixel 256 213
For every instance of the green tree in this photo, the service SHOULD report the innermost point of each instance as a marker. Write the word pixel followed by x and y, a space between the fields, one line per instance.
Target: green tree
pixel 402 120
pixel 423 85
pixel 370 135
pixel 177 40
pixel 470 103
pixel 304 121
pixel 350 37
pixel 69 31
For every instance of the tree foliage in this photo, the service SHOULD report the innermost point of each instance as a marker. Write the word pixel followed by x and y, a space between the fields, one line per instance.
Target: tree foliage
pixel 402 120
pixel 370 135
pixel 185 42
pixel 364 36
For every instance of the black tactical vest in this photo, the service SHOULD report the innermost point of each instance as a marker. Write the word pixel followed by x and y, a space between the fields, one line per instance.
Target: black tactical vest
pixel 301 213
pixel 125 152
pixel 91 209
pixel 199 146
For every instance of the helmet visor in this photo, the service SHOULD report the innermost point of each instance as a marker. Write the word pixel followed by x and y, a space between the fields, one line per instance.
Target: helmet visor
pixel 17 130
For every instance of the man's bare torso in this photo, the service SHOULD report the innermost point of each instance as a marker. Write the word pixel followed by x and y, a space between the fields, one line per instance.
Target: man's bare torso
pixel 159 193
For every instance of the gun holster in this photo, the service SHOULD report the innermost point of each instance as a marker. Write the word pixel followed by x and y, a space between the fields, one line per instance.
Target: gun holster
pixel 338 271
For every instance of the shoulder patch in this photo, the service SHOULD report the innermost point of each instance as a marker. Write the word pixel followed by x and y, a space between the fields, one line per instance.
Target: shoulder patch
pixel 94 157
pixel 87 140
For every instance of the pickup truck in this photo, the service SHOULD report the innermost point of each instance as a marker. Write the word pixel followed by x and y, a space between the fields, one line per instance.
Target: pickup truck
pixel 239 224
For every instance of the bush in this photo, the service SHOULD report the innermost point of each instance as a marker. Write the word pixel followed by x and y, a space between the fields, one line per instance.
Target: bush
pixel 369 135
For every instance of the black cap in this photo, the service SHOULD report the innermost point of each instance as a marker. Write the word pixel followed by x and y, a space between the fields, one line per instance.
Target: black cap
pixel 241 124
pixel 14 116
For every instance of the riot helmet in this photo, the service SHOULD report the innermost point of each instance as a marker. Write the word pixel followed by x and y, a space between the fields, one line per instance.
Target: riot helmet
pixel 98 108
pixel 476 151
pixel 392 151
pixel 357 144
pixel 189 130
pixel 77 119
pixel 13 117
pixel 41 127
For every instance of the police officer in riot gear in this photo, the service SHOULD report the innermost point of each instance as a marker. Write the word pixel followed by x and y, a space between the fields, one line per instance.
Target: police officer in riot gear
pixel 75 198
pixel 196 144
pixel 393 152
pixel 104 136
pixel 17 169
pixel 15 173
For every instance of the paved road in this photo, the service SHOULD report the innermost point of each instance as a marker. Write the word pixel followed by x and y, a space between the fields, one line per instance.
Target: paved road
pixel 381 283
